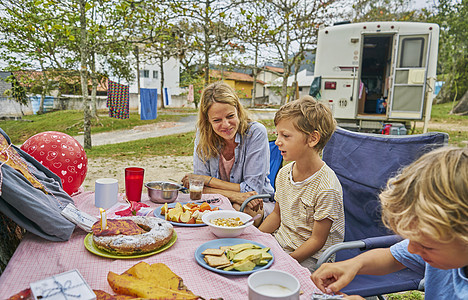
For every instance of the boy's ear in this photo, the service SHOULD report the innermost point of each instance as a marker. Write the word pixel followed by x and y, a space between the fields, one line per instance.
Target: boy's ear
pixel 313 139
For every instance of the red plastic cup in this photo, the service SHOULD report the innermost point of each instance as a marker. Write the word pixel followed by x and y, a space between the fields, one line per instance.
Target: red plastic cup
pixel 134 183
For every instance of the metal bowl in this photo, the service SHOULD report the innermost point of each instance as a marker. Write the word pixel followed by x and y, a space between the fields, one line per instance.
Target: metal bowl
pixel 163 191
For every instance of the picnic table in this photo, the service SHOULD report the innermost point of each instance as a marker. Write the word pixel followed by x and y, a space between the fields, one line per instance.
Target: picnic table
pixel 36 258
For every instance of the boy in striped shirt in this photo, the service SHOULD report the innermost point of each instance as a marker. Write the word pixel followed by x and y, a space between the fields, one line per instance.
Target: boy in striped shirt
pixel 308 216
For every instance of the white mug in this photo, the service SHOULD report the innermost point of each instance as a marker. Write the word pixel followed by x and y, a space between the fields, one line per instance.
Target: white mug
pixel 273 284
pixel 106 192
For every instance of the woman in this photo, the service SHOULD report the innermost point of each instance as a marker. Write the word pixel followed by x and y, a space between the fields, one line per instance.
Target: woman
pixel 231 151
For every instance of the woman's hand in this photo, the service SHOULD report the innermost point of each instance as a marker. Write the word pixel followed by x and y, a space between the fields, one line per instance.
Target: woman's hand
pixel 185 180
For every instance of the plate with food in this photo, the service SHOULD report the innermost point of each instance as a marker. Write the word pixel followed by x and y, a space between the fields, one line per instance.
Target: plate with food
pixel 233 256
pixel 130 237
pixel 184 214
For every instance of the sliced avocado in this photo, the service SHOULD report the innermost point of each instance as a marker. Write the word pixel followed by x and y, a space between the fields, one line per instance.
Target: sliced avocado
pixel 240 247
pixel 244 254
pixel 245 265
pixel 255 258
pixel 231 267
pixel 230 255
pixel 262 262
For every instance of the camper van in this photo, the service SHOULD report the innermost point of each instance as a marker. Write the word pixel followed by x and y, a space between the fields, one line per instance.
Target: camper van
pixel 376 74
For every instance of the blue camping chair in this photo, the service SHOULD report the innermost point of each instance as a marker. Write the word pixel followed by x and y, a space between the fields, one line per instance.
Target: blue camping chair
pixel 363 163
pixel 276 161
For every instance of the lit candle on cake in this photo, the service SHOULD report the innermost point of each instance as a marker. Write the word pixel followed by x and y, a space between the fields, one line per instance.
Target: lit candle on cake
pixel 103 218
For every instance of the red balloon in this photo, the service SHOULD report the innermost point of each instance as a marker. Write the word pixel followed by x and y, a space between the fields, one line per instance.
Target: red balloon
pixel 61 154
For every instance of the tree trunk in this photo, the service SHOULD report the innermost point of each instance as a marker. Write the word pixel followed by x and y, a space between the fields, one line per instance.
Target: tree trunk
pixel 84 76
pixel 462 106
pixel 445 94
pixel 137 57
pixel 254 91
pixel 93 96
pixel 94 83
pixel 41 103
pixel 161 68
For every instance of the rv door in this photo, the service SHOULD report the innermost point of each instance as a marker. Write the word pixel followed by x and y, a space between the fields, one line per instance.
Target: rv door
pixel 409 77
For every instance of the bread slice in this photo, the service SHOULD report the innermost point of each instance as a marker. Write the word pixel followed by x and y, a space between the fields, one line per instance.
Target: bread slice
pixel 216 261
pixel 216 252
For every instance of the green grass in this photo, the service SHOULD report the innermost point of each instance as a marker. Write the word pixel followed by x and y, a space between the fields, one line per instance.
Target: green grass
pixel 71 122
pixel 411 295
pixel 177 145
pixel 440 114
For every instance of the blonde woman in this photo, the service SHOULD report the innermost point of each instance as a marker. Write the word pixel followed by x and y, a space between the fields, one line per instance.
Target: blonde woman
pixel 231 151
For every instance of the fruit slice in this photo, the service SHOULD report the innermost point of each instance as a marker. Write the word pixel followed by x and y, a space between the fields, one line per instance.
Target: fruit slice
pixel 185 216
pixel 205 206
pixel 164 209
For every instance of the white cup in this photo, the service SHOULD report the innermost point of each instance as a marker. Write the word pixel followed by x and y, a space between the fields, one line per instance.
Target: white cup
pixel 273 284
pixel 106 192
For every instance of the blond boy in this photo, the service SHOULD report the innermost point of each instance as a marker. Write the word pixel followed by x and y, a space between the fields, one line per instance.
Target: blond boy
pixel 308 216
pixel 428 205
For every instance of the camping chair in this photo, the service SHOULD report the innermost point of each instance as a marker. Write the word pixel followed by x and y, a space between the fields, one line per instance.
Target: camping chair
pixel 363 163
pixel 276 161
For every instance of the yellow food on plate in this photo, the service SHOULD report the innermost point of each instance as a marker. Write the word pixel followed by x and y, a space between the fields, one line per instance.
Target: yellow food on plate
pixel 154 281
pixel 189 213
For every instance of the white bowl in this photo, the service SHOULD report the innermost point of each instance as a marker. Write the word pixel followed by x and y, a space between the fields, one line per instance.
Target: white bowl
pixel 273 284
pixel 224 231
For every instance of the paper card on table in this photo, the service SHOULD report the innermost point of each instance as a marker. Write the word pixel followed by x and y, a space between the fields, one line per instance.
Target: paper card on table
pixel 68 285
pixel 80 218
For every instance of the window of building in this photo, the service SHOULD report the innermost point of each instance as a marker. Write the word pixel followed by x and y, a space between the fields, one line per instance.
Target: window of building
pixel 144 73
pixel 155 74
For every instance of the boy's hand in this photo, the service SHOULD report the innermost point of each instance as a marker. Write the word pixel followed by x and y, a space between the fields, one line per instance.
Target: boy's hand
pixel 332 277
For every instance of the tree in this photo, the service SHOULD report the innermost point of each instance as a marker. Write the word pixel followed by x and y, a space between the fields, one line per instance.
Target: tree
pixel 253 31
pixel 209 20
pixel 17 92
pixel 63 35
pixel 29 41
pixel 381 10
pixel 157 35
pixel 294 27
pixel 453 53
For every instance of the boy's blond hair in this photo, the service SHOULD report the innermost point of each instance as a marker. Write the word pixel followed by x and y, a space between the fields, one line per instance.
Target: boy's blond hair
pixel 430 196
pixel 309 115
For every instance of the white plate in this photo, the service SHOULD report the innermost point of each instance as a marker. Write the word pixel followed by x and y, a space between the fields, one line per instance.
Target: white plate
pixel 215 244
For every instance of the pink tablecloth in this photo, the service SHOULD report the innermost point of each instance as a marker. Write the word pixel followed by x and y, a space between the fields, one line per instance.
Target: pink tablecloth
pixel 37 258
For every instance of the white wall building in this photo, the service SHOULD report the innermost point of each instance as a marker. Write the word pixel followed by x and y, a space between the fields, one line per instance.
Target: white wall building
pixel 266 76
pixel 150 78
pixel 304 80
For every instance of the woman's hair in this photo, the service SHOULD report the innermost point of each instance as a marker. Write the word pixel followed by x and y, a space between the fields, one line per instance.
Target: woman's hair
pixel 430 197
pixel 210 143
pixel 309 115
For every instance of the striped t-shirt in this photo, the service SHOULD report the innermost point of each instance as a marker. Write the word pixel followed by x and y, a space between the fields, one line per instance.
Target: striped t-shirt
pixel 316 198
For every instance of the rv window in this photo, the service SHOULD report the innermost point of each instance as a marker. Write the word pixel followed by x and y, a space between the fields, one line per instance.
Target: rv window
pixel 412 52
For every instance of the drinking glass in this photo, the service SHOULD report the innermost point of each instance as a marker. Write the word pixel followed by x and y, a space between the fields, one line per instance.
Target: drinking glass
pixel 134 183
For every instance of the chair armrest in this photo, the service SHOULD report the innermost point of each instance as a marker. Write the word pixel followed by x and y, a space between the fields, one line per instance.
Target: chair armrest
pixel 365 244
pixel 337 247
pixel 246 201
pixel 381 241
